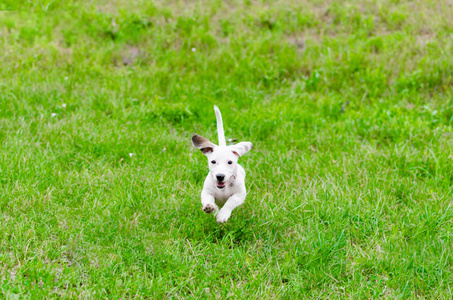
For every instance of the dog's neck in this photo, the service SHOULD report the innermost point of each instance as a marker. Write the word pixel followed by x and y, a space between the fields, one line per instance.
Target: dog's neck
pixel 233 177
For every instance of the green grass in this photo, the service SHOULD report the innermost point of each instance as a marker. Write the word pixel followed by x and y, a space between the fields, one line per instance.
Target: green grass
pixel 349 105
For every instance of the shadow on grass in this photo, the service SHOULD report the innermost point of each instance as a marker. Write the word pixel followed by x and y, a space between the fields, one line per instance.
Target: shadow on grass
pixel 236 233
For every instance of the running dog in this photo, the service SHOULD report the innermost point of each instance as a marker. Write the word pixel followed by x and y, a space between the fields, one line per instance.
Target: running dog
pixel 224 186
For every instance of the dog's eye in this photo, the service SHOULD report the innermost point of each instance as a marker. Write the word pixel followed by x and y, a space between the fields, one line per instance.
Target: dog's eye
pixel 230 162
pixel 212 161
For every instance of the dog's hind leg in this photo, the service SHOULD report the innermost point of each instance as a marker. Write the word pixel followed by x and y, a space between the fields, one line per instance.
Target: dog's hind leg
pixel 208 203
pixel 234 201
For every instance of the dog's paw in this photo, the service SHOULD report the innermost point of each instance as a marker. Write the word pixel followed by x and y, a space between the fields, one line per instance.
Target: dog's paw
pixel 223 216
pixel 209 208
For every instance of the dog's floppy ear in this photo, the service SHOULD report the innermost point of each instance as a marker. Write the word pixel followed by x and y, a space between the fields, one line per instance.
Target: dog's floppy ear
pixel 241 148
pixel 203 144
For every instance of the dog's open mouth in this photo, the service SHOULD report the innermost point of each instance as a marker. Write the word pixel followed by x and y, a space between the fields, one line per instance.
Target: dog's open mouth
pixel 221 185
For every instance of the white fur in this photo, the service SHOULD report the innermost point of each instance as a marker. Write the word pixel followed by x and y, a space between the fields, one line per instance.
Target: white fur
pixel 220 131
pixel 222 159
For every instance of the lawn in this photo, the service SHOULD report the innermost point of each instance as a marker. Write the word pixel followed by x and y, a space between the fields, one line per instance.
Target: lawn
pixel 349 105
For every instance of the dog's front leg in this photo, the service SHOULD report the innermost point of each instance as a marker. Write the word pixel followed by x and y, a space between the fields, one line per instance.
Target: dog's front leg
pixel 208 202
pixel 234 201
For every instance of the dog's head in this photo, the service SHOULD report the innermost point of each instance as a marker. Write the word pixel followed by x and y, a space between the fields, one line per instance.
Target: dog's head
pixel 222 160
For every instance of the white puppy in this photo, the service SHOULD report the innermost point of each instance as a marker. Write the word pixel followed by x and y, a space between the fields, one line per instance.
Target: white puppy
pixel 224 186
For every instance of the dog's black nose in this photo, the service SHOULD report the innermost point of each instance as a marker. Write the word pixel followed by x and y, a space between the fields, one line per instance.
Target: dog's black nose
pixel 220 177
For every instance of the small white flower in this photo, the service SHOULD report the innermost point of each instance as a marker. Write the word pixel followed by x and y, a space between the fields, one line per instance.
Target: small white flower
pixel 66 78
pixel 131 154
pixel 53 115
pixel 194 49
pixel 64 105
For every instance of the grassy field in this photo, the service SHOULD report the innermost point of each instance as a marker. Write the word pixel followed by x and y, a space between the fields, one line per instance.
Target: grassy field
pixel 349 105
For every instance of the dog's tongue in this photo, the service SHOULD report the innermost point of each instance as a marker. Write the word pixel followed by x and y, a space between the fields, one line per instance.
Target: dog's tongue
pixel 221 184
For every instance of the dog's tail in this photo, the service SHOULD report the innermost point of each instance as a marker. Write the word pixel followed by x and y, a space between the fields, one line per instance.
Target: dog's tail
pixel 220 131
